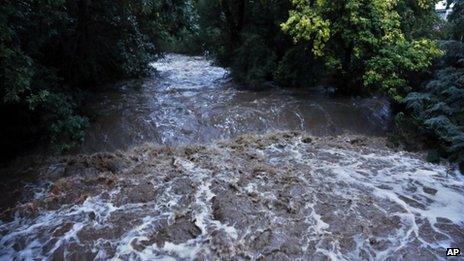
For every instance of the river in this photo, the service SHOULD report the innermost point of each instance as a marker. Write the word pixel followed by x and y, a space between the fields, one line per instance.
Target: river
pixel 193 101
pixel 188 166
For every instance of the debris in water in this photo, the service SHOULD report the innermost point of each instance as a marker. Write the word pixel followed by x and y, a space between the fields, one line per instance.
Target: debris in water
pixel 279 196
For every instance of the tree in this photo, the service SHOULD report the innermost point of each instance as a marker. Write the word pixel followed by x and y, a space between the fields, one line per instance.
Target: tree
pixel 456 20
pixel 52 50
pixel 246 37
pixel 363 42
pixel 438 109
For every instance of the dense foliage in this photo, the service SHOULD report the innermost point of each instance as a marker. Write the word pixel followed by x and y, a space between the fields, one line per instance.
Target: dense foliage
pixel 358 46
pixel 437 109
pixel 51 50
pixel 246 36
pixel 52 53
pixel 364 43
pixel 456 20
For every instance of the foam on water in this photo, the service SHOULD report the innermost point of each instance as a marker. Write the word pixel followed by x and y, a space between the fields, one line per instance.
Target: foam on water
pixel 191 100
pixel 273 197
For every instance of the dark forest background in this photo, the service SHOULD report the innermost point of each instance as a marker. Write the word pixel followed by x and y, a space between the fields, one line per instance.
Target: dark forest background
pixel 54 54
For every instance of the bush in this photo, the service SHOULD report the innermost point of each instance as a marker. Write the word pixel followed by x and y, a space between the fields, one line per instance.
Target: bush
pixel 298 68
pixel 246 36
pixel 438 109
pixel 254 63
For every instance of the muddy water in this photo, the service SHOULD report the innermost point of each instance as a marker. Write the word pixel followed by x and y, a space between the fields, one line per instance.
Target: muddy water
pixel 302 195
pixel 192 101
pixel 282 196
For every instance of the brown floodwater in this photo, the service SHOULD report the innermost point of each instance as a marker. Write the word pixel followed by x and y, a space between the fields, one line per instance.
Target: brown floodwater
pixel 278 196
pixel 299 192
pixel 193 101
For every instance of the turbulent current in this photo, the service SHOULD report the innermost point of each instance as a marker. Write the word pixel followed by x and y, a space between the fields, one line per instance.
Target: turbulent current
pixel 192 101
pixel 204 190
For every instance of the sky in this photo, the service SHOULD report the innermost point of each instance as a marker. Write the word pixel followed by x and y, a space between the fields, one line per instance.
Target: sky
pixel 441 5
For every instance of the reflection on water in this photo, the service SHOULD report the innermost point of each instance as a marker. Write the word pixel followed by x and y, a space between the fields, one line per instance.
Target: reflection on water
pixel 193 101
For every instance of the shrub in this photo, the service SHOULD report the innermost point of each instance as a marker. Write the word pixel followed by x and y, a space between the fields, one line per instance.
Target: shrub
pixel 254 62
pixel 438 109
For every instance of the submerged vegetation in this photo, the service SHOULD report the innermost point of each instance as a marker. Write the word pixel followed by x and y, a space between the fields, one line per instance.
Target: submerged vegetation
pixel 54 54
